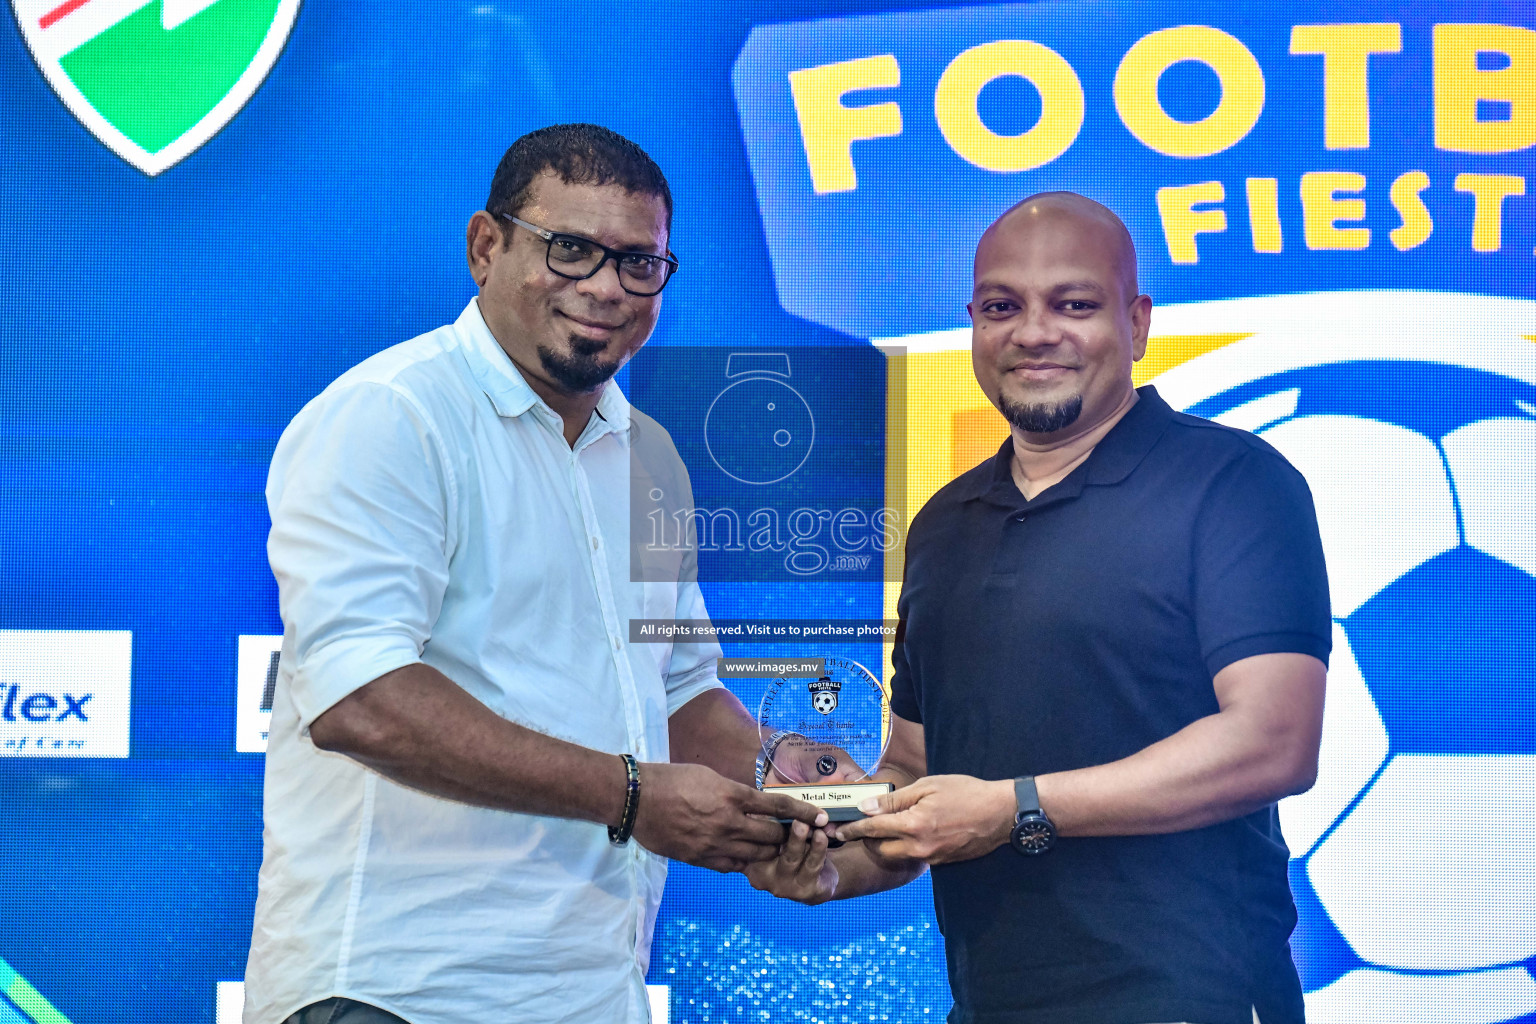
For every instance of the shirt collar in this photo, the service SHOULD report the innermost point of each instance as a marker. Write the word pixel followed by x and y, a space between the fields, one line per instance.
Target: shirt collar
pixel 504 384
pixel 1118 453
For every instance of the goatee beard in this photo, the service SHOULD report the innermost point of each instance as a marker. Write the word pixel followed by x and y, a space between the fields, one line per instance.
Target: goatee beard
pixel 581 371
pixel 1043 419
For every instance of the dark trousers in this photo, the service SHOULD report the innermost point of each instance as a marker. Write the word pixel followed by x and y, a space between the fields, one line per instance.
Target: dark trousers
pixel 343 1011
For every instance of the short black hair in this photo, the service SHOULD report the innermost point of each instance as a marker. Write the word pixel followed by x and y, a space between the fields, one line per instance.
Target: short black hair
pixel 580 154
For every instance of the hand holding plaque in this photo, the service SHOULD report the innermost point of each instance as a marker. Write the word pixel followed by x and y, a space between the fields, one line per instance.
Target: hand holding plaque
pixel 823 737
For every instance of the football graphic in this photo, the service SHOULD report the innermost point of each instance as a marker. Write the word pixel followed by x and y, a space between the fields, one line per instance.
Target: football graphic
pixel 1414 854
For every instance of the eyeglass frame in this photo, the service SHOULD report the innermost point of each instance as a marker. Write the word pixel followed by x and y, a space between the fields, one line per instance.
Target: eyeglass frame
pixel 608 254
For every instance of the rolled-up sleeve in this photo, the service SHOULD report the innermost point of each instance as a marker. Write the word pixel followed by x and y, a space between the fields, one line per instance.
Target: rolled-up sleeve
pixel 671 574
pixel 694 665
pixel 360 495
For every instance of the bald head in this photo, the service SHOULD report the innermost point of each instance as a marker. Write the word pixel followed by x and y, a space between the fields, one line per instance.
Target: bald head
pixel 1095 225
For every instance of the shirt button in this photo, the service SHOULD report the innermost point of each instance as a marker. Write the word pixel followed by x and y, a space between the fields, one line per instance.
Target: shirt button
pixel 595 544
pixel 616 644
pixel 1020 517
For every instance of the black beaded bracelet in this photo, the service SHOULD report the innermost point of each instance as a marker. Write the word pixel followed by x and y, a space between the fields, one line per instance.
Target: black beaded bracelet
pixel 620 835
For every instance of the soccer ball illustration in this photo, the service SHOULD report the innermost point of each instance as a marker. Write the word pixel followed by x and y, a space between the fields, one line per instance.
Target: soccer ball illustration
pixel 824 701
pixel 1414 865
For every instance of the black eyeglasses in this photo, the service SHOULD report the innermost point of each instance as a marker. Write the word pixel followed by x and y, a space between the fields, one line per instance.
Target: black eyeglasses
pixel 577 258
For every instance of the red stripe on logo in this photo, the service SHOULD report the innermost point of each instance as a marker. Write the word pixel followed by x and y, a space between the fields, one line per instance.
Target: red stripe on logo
pixel 67 7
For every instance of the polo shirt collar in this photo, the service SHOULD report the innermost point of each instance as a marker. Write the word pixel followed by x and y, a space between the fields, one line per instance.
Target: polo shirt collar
pixel 504 384
pixel 1118 453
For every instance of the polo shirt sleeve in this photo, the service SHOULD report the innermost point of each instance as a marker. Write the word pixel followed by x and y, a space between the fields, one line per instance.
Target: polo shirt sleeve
pixel 903 696
pixel 904 700
pixel 1260 585
pixel 359 494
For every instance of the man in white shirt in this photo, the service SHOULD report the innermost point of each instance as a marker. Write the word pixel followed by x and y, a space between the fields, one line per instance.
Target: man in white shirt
pixel 460 711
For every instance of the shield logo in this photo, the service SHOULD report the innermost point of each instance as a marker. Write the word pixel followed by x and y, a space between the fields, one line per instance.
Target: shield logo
pixel 155 79
pixel 824 694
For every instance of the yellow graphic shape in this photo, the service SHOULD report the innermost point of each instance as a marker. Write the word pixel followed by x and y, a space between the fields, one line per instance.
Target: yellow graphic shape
pixel 1164 352
pixel 975 435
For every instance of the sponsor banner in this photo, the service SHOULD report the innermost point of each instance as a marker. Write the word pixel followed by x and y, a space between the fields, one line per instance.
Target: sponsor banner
pixel 256 667
pixel 1251 150
pixel 65 693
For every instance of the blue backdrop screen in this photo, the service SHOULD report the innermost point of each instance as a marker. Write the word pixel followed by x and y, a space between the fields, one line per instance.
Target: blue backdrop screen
pixel 214 207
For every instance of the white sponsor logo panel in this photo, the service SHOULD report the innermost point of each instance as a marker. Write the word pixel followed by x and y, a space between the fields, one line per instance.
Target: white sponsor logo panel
pixel 65 693
pixel 255 684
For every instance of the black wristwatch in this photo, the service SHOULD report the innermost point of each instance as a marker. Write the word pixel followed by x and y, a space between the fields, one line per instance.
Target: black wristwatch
pixel 1033 832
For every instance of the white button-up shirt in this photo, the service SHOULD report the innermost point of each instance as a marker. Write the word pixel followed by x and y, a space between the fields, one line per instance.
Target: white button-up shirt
pixel 426 507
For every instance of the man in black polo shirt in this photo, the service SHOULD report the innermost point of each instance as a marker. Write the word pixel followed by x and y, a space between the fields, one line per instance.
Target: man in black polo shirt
pixel 1114 643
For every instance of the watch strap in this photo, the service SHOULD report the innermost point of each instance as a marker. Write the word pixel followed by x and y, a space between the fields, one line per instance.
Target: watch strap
pixel 1027 796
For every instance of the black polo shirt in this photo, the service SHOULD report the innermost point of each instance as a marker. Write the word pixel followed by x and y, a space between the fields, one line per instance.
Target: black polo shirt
pixel 1078 628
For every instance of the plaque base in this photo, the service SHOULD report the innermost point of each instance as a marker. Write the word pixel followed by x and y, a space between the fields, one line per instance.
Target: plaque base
pixel 840 800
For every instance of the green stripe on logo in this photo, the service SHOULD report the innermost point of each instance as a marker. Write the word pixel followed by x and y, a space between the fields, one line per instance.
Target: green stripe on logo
pixel 154 85
pixel 28 999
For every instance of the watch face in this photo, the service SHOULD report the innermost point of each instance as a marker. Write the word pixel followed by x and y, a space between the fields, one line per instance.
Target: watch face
pixel 1033 835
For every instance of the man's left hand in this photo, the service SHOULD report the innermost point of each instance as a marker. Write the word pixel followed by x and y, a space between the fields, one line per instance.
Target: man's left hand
pixel 937 819
pixel 802 871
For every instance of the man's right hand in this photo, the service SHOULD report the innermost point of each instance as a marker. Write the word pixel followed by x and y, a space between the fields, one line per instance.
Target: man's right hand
pixel 690 813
